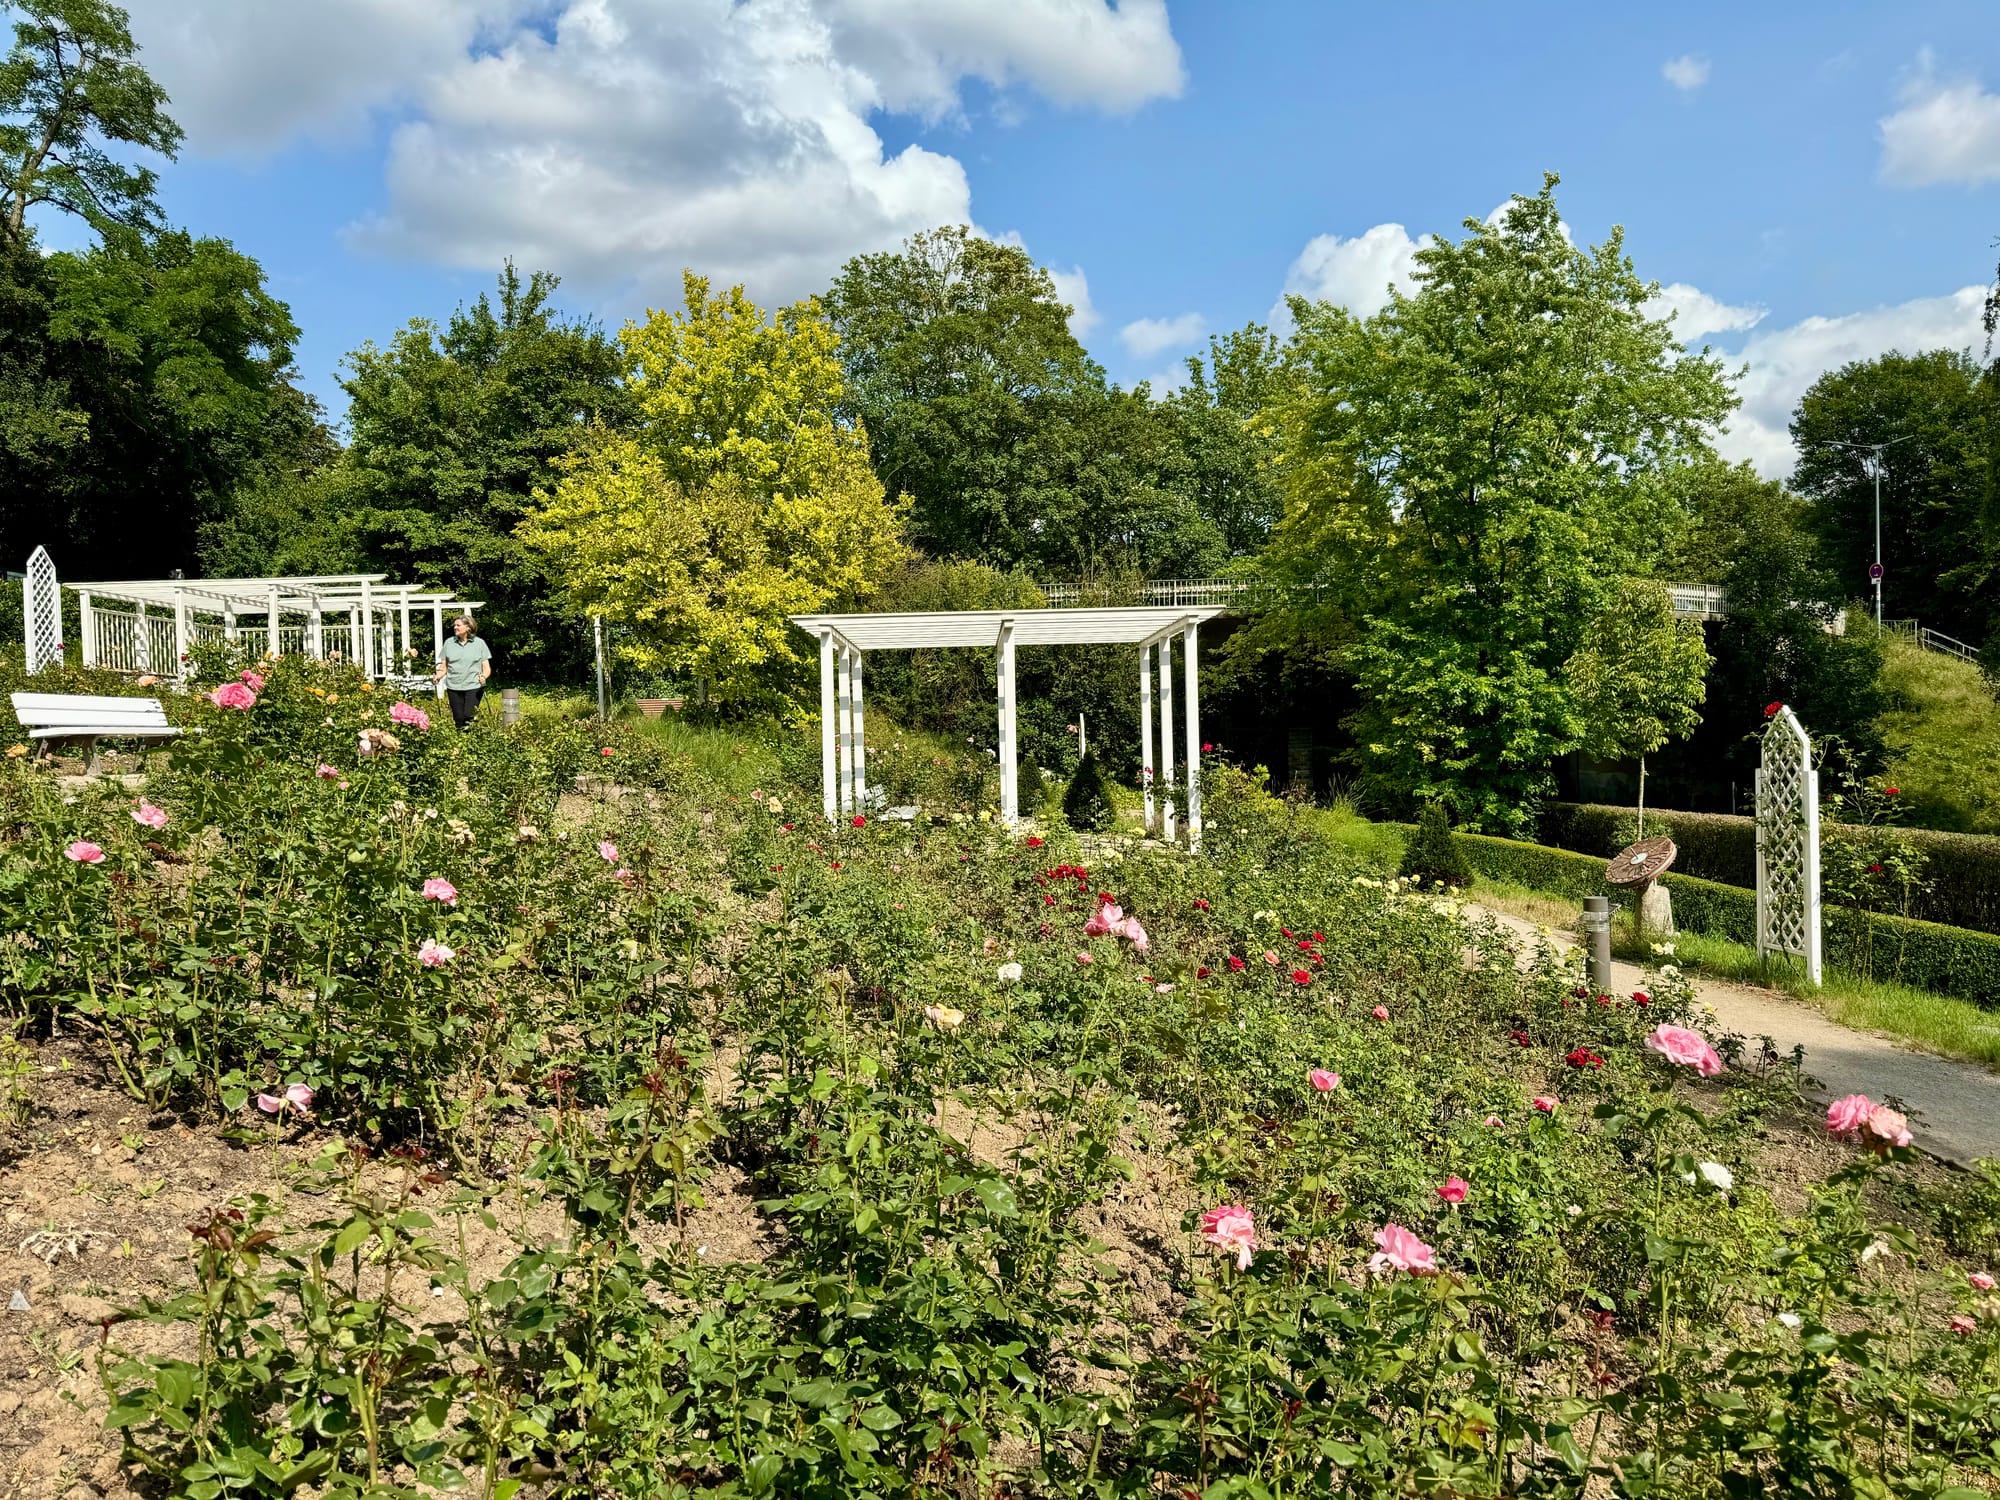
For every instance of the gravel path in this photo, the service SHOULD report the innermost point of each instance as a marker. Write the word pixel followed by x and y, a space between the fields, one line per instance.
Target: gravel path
pixel 1954 1106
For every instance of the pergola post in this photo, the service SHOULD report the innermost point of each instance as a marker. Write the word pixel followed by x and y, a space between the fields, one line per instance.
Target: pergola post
pixel 1165 768
pixel 437 630
pixel 271 624
pixel 367 632
pixel 844 679
pixel 88 622
pixel 1193 739
pixel 228 624
pixel 142 640
pixel 354 633
pixel 859 762
pixel 316 632
pixel 1146 731
pixel 1010 790
pixel 403 641
pixel 829 750
pixel 180 635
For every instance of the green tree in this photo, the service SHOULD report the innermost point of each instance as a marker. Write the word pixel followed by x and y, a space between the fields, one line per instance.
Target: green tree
pixel 1639 677
pixel 69 83
pixel 737 498
pixel 1220 420
pixel 1936 412
pixel 981 405
pixel 1463 469
pixel 452 429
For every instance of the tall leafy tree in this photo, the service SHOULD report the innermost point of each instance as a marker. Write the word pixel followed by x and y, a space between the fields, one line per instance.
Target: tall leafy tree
pixel 737 497
pixel 71 84
pixel 1221 421
pixel 981 405
pixel 1462 470
pixel 451 430
pixel 1936 413
pixel 1638 677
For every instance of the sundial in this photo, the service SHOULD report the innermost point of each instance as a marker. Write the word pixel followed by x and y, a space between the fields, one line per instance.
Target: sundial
pixel 1639 863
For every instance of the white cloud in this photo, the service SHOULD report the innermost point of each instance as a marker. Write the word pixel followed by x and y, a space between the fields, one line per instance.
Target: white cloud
pixel 1696 313
pixel 1686 72
pixel 1945 132
pixel 1354 273
pixel 616 141
pixel 1149 336
pixel 1074 288
pixel 1785 361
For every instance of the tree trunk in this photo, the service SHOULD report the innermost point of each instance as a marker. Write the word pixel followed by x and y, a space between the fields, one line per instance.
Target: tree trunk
pixel 1642 794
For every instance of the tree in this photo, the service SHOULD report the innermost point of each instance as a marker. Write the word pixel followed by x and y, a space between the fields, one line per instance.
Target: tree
pixel 1220 421
pixel 1936 413
pixel 738 497
pixel 1638 678
pixel 1433 857
pixel 452 430
pixel 1461 470
pixel 981 405
pixel 69 82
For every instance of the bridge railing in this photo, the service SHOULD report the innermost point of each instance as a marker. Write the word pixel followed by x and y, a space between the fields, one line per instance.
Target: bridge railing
pixel 1702 601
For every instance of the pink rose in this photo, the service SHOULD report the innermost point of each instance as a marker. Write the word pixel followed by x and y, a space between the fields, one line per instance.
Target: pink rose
pixel 435 955
pixel 1885 1128
pixel 233 695
pixel 148 815
pixel 297 1097
pixel 1495 1122
pixel 441 890
pixel 405 713
pixel 1846 1116
pixel 1454 1189
pixel 1084 958
pixel 1380 1012
pixel 1271 958
pixel 1105 921
pixel 1399 1250
pixel 607 851
pixel 252 680
pixel 1231 1227
pixel 327 772
pixel 1962 1325
pixel 1982 1281
pixel 1545 1103
pixel 1322 1080
pixel 85 853
pixel 1688 1048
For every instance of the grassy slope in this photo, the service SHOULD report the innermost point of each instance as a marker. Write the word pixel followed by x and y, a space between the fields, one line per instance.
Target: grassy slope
pixel 1944 740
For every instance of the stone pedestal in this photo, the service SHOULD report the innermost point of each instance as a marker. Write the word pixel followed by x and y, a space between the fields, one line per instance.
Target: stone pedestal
pixel 1655 911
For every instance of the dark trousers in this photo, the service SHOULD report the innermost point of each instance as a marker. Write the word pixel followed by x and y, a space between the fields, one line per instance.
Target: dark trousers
pixel 464 704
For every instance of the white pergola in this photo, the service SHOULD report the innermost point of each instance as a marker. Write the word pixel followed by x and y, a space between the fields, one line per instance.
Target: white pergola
pixel 149 625
pixel 844 640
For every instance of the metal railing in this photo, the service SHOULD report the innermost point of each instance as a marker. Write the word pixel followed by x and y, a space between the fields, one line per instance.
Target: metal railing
pixel 1701 601
pixel 1932 640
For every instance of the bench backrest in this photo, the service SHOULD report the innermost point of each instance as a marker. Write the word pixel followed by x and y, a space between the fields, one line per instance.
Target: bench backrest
pixel 58 710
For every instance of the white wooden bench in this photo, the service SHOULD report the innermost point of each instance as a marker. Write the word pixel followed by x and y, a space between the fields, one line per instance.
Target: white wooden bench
pixel 75 716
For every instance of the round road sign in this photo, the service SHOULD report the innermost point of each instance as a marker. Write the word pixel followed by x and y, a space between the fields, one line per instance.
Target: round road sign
pixel 1874 572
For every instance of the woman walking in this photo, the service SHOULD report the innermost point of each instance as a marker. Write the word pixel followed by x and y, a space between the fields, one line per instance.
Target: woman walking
pixel 463 667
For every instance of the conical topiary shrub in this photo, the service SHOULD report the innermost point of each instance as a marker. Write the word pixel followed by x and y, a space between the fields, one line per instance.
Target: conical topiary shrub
pixel 1432 856
pixel 1087 805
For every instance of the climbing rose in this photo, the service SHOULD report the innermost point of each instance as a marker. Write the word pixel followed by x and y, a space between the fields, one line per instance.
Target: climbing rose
pixel 1322 1080
pixel 1545 1103
pixel 1380 1012
pixel 1963 1325
pixel 327 772
pixel 441 890
pixel 1301 976
pixel 233 695
pixel 1402 1251
pixel 252 680
pixel 404 713
pixel 1846 1116
pixel 1688 1048
pixel 1981 1280
pixel 85 853
pixel 435 955
pixel 1771 710
pixel 607 851
pixel 1231 1227
pixel 148 815
pixel 1454 1189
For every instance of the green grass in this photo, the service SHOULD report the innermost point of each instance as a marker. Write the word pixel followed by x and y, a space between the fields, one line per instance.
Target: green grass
pixel 1943 732
pixel 735 760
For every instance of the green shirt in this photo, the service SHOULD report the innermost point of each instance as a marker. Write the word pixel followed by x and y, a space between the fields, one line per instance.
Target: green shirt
pixel 461 662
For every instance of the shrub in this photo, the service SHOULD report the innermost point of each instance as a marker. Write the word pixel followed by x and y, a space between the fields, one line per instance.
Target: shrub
pixel 1431 857
pixel 1086 802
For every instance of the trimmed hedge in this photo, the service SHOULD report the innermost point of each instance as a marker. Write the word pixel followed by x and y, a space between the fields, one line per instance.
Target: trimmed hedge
pixel 1925 955
pixel 1962 869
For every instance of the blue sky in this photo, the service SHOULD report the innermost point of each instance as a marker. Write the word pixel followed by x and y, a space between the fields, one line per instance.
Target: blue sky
pixel 1815 182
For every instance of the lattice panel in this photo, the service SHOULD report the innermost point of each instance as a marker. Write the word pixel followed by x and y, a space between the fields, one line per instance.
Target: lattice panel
pixel 1788 906
pixel 41 600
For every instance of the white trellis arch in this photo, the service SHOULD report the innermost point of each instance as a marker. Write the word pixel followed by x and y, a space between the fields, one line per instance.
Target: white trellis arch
pixel 41 610
pixel 1788 911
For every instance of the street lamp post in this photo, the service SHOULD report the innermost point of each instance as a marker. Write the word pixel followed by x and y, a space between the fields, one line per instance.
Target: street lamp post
pixel 1877 463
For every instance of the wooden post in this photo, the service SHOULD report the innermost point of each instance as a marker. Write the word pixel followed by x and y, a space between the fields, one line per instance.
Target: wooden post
pixel 829 749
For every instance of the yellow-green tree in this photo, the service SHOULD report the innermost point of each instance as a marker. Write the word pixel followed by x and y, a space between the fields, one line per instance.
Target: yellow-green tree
pixel 737 499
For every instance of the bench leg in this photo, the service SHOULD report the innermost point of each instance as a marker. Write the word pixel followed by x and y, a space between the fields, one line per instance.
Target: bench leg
pixel 93 767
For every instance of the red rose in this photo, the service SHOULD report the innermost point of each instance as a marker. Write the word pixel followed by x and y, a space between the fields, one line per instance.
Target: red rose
pixel 1874 869
pixel 1034 842
pixel 1235 964
pixel 1301 976
pixel 1771 710
pixel 1889 791
pixel 859 821
pixel 1202 972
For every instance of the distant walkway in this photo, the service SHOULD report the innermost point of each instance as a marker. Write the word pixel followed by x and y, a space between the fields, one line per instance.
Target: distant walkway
pixel 1954 1106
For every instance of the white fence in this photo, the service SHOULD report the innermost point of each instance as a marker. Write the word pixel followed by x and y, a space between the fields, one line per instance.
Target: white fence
pixel 1700 601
